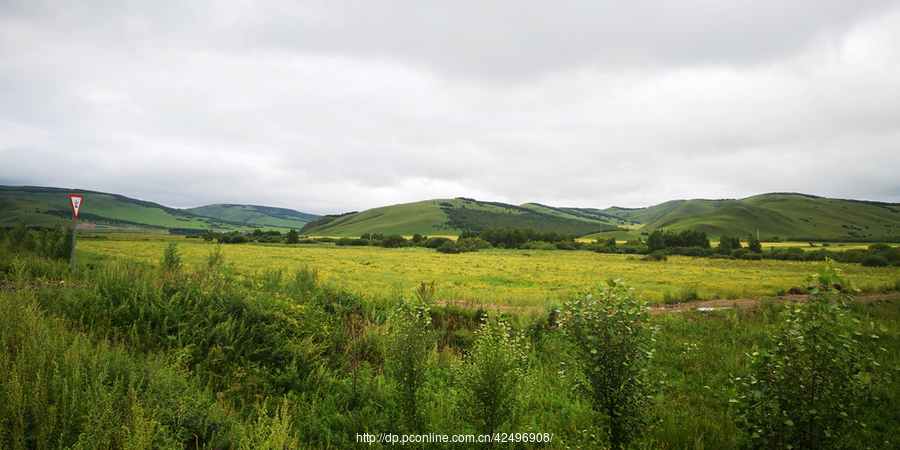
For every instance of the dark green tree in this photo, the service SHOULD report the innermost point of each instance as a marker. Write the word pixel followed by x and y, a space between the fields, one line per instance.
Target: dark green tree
pixel 656 241
pixel 753 244
pixel 293 237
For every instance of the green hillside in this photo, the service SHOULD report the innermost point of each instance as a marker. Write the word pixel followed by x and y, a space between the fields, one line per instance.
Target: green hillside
pixel 791 216
pixel 253 215
pixel 779 215
pixel 425 217
pixel 450 217
pixel 46 206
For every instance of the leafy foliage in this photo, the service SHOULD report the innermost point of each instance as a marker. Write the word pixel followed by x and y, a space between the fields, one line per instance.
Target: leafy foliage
pixel 491 376
pixel 614 345
pixel 171 259
pixel 406 354
pixel 806 390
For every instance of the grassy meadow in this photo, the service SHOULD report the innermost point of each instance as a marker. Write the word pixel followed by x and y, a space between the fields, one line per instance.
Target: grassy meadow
pixel 199 346
pixel 499 277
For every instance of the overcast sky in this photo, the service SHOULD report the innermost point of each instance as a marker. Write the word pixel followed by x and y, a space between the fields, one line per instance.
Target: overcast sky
pixel 334 106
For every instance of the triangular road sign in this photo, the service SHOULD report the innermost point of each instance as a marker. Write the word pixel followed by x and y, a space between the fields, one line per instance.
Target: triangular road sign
pixel 76 204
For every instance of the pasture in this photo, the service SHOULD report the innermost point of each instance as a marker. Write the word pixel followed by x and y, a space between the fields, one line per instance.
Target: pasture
pixel 499 277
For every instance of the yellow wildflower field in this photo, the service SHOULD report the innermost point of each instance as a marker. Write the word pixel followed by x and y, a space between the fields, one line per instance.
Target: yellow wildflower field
pixel 501 277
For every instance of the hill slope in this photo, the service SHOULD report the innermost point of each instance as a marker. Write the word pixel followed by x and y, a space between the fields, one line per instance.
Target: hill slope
pixel 790 216
pixel 784 216
pixel 47 206
pixel 450 217
pixel 253 215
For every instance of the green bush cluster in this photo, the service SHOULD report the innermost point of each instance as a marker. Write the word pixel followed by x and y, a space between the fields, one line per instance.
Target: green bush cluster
pixel 54 243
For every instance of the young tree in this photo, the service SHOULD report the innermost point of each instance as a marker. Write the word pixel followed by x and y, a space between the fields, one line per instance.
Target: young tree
pixel 806 389
pixel 614 345
pixel 171 259
pixel 407 352
pixel 491 376
pixel 293 237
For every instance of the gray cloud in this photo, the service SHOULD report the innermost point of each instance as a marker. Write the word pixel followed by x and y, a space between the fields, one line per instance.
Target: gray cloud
pixel 337 106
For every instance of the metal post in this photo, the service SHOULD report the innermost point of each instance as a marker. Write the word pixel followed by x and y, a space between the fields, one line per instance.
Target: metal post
pixel 73 242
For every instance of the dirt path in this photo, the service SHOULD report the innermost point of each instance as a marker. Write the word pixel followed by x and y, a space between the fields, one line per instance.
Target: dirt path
pixel 750 302
pixel 702 305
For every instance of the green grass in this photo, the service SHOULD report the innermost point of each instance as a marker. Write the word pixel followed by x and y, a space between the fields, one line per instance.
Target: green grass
pixel 124 354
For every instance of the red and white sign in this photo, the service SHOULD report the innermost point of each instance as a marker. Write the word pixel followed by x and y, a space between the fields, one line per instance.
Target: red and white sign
pixel 76 204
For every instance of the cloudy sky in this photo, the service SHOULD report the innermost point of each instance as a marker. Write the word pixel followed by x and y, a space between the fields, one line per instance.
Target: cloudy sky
pixel 333 106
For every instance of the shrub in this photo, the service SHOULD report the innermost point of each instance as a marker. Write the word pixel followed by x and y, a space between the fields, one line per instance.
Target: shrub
pixel 491 376
pixel 659 255
pixel 614 345
pixel 806 390
pixel 393 241
pixel 434 242
pixel 874 261
pixel 171 259
pixel 448 247
pixel 405 358
pixel 539 245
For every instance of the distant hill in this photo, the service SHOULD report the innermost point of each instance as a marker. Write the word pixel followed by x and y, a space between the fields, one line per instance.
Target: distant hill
pixel 451 216
pixel 253 215
pixel 46 206
pixel 785 216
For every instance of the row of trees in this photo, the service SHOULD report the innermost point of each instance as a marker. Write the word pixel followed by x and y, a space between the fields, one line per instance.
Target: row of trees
pixel 258 235
pixel 54 243
pixel 659 244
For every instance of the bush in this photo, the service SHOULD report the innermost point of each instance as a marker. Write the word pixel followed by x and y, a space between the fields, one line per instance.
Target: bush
pixel 491 375
pixel 393 241
pixel 464 245
pixel 434 242
pixel 171 259
pixel 807 388
pixel 405 359
pixel 747 254
pixel 659 255
pixel 539 245
pixel 614 345
pixel 874 261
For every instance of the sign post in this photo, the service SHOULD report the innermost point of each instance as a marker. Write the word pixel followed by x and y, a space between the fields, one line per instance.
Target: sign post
pixel 76 205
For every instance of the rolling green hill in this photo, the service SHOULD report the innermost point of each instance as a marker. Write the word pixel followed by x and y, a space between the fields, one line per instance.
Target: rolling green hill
pixel 425 217
pixel 782 216
pixel 450 217
pixel 778 215
pixel 791 216
pixel 46 206
pixel 253 215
